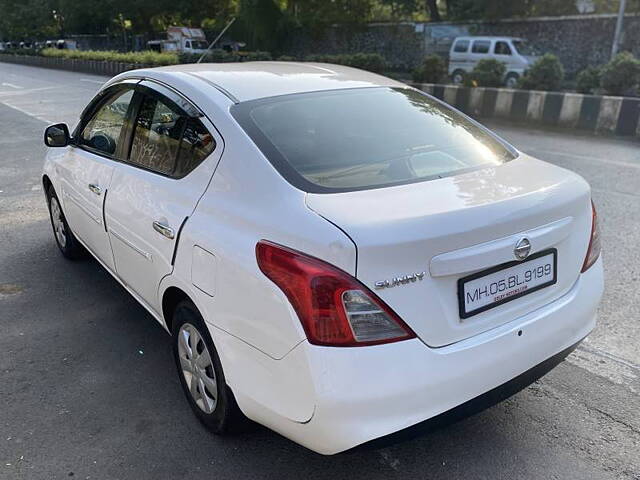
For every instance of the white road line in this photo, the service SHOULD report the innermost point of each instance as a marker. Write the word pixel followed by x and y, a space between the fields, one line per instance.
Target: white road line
pixel 576 156
pixel 25 92
pixel 6 84
pixel 32 115
pixel 92 81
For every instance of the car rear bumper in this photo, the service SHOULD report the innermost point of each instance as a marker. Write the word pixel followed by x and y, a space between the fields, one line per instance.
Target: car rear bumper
pixel 361 394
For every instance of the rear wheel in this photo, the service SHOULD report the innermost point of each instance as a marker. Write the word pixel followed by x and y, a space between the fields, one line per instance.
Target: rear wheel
pixel 457 77
pixel 65 239
pixel 512 80
pixel 201 374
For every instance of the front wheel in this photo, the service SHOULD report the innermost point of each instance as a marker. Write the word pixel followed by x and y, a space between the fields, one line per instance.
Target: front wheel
pixel 65 239
pixel 201 374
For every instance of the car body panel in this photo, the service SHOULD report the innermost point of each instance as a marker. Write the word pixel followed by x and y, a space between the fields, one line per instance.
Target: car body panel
pixel 137 199
pixel 366 393
pixel 83 208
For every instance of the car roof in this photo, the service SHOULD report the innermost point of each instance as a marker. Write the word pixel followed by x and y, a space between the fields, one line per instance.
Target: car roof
pixel 243 81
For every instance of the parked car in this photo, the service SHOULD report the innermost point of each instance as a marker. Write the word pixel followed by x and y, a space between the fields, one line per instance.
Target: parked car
pixel 329 273
pixel 466 52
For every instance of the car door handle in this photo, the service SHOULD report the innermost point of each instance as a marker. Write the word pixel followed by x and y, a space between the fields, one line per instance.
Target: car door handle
pixel 163 229
pixel 95 189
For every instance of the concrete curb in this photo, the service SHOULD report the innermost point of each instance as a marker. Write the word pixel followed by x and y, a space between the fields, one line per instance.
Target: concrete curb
pixel 93 67
pixel 594 113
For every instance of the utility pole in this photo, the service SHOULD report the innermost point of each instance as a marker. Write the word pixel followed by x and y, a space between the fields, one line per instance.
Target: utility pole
pixel 619 24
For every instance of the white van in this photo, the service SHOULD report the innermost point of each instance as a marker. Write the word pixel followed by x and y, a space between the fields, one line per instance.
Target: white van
pixel 466 52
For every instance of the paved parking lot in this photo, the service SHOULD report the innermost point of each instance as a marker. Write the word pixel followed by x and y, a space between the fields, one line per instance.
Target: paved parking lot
pixel 88 387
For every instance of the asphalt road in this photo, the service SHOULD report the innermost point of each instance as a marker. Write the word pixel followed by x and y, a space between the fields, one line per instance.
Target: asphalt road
pixel 88 388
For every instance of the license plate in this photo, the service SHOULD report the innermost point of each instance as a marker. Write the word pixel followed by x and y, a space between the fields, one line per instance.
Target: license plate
pixel 488 289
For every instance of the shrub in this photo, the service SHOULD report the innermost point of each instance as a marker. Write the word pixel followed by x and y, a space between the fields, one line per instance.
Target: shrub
pixel 256 56
pixel 432 70
pixel 216 55
pixel 488 72
pixel 588 80
pixel 148 57
pixel 372 62
pixel 621 75
pixel 546 74
pixel 20 51
pixel 286 58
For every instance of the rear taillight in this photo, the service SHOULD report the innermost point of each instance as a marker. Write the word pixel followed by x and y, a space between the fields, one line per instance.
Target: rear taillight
pixel 593 252
pixel 333 307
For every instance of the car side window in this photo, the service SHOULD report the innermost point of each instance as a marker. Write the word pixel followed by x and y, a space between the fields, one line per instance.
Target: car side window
pixel 502 48
pixel 196 145
pixel 166 140
pixel 156 136
pixel 481 46
pixel 102 131
pixel 461 46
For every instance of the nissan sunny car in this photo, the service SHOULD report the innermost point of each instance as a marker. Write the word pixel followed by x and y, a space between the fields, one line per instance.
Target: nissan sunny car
pixel 336 255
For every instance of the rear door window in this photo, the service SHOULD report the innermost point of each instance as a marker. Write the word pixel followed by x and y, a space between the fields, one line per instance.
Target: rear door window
pixel 481 46
pixel 156 138
pixel 166 140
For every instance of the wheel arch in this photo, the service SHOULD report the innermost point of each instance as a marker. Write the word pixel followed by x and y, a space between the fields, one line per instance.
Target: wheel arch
pixel 171 297
pixel 46 183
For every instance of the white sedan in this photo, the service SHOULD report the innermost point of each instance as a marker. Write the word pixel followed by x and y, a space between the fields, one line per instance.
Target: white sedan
pixel 336 255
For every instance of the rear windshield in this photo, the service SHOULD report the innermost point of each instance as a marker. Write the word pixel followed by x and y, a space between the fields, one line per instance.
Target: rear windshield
pixel 365 138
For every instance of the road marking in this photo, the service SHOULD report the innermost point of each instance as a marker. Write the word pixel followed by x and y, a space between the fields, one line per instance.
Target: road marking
pixel 6 84
pixel 32 115
pixel 585 157
pixel 8 93
pixel 92 81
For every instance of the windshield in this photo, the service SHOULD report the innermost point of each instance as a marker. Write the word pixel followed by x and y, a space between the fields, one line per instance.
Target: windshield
pixel 526 48
pixel 366 138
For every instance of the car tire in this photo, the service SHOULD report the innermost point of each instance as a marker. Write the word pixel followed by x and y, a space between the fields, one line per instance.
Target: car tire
pixel 65 239
pixel 457 77
pixel 201 373
pixel 512 80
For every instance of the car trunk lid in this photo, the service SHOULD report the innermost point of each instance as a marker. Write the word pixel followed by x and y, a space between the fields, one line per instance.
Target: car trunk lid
pixel 422 238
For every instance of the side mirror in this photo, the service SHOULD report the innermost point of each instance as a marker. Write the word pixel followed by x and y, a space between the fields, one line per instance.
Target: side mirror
pixel 57 135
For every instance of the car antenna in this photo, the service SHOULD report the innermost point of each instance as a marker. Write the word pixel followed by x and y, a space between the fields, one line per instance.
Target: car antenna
pixel 216 39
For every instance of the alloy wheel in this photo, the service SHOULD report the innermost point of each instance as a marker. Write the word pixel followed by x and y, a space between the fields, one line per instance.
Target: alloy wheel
pixel 58 222
pixel 197 368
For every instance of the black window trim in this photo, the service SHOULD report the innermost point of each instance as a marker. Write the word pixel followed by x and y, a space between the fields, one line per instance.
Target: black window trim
pixel 241 113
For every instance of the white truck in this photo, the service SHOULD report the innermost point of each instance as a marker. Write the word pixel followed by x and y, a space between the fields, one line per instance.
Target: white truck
pixel 181 40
